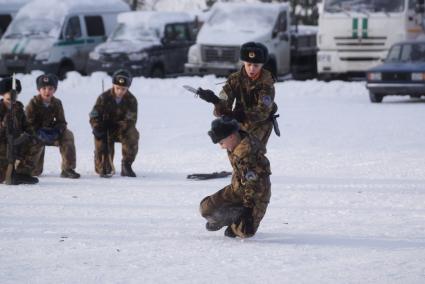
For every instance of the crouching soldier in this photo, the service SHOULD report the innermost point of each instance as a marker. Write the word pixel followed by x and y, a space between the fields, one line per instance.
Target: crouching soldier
pixel 16 126
pixel 46 118
pixel 241 205
pixel 113 119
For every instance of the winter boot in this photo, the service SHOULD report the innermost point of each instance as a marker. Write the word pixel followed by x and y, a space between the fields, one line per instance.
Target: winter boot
pixel 24 179
pixel 70 173
pixel 211 226
pixel 126 170
pixel 229 232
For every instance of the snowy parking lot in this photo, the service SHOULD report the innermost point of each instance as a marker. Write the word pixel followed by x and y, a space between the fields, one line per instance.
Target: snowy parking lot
pixel 347 206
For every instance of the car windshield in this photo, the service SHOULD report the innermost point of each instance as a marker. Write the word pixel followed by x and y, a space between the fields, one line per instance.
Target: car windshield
pixel 407 53
pixel 125 32
pixel 366 6
pixel 246 18
pixel 26 27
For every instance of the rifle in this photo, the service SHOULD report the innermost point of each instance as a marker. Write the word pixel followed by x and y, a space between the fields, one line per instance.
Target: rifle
pixel 107 163
pixel 213 175
pixel 10 134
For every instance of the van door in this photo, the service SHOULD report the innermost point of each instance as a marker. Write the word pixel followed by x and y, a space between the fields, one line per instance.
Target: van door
pixel 70 53
pixel 95 30
pixel 281 43
pixel 177 40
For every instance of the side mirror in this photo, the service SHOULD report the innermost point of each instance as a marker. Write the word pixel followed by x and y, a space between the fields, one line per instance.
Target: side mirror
pixel 274 33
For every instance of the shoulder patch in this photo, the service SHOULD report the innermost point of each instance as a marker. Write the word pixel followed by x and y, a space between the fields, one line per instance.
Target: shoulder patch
pixel 223 95
pixel 267 101
pixel 251 176
pixel 94 114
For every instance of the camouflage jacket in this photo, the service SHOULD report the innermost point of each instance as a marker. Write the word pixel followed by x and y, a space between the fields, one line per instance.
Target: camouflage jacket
pixel 40 115
pixel 250 169
pixel 251 102
pixel 21 124
pixel 108 111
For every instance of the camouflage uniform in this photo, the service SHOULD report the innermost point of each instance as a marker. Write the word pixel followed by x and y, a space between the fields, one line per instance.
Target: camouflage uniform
pixel 254 102
pixel 250 187
pixel 120 119
pixel 39 116
pixel 23 165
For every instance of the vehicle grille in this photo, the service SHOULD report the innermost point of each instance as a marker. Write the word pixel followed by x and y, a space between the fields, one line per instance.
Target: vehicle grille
pixel 360 45
pixel 396 76
pixel 114 57
pixel 220 53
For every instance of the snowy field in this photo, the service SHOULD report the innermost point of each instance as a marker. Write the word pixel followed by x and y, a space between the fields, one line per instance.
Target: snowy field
pixel 348 194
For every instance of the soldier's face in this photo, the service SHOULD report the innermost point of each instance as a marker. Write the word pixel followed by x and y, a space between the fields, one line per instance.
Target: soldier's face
pixel 229 143
pixel 252 69
pixel 7 99
pixel 119 91
pixel 47 93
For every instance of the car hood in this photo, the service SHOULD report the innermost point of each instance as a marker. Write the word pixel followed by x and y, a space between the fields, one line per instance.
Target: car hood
pixel 124 46
pixel 399 67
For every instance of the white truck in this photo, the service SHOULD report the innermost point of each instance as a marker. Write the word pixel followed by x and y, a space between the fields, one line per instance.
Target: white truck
pixel 232 24
pixel 56 36
pixel 355 35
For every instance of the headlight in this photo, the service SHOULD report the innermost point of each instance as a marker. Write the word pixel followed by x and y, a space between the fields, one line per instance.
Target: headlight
pixel 194 54
pixel 418 76
pixel 374 76
pixel 137 56
pixel 42 56
pixel 94 55
pixel 325 58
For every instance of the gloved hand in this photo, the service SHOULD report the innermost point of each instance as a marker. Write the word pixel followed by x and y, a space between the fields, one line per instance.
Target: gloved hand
pixel 239 115
pixel 47 135
pixel 208 96
pixel 99 132
pixel 248 220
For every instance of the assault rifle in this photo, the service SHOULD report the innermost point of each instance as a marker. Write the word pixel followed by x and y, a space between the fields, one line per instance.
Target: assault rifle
pixel 10 134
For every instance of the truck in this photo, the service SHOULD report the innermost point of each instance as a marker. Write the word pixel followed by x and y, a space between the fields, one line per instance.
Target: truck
pixel 147 43
pixel 216 51
pixel 57 36
pixel 355 35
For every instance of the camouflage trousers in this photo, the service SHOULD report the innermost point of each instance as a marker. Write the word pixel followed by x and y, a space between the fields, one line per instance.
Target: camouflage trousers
pixel 67 150
pixel 130 146
pixel 225 206
pixel 261 132
pixel 23 164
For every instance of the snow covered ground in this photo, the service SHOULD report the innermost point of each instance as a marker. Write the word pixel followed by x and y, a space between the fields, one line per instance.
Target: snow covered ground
pixel 348 194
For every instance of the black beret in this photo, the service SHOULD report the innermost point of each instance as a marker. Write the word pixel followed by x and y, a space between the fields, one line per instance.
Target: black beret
pixel 254 52
pixel 6 85
pixel 122 78
pixel 221 128
pixel 47 80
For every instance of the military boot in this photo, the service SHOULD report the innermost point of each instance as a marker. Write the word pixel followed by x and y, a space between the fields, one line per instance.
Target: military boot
pixel 211 226
pixel 126 170
pixel 24 179
pixel 70 173
pixel 229 232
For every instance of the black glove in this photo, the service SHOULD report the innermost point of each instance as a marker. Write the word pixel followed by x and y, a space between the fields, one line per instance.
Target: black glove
pixel 239 115
pixel 99 132
pixel 208 96
pixel 47 135
pixel 248 220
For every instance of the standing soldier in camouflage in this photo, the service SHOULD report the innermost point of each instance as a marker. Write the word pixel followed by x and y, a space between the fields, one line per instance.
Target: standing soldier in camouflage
pixel 113 119
pixel 46 119
pixel 248 95
pixel 20 133
pixel 241 205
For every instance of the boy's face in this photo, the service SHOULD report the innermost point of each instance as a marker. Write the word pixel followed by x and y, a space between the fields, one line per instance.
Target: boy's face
pixel 47 93
pixel 7 98
pixel 119 91
pixel 252 69
pixel 229 143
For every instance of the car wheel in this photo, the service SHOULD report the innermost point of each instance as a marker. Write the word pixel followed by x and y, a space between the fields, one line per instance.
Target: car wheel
pixel 157 72
pixel 375 98
pixel 415 96
pixel 63 69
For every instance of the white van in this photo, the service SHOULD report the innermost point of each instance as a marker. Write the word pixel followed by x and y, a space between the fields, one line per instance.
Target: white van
pixel 56 36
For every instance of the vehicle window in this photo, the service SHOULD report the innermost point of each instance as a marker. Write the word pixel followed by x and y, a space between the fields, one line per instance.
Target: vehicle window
pixel 94 26
pixel 73 28
pixel 413 52
pixel 394 53
pixel 177 32
pixel 4 23
pixel 282 22
pixel 368 6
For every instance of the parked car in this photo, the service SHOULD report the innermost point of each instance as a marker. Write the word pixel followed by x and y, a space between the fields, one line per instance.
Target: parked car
pixel 150 44
pixel 57 39
pixel 402 73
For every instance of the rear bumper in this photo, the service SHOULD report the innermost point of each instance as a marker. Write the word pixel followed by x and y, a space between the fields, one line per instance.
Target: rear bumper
pixel 397 88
